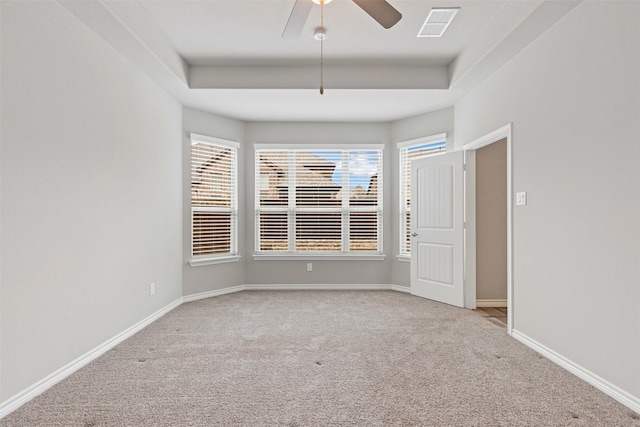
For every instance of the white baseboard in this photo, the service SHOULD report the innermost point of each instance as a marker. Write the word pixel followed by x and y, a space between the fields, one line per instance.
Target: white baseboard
pixel 502 303
pixel 210 294
pixel 601 384
pixel 405 289
pixel 291 287
pixel 29 393
pixel 316 287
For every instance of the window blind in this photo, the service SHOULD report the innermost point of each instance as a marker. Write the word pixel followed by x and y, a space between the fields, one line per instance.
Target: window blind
pixel 417 150
pixel 213 197
pixel 318 200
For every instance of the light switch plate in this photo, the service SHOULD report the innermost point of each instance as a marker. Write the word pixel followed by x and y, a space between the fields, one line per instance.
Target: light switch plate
pixel 521 198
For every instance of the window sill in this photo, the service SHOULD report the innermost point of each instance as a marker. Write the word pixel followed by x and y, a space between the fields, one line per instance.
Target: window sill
pixel 318 257
pixel 198 262
pixel 403 258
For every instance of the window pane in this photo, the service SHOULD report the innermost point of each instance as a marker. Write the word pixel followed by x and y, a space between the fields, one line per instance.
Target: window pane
pixel 407 233
pixel 273 231
pixel 316 189
pixel 211 232
pixel 212 177
pixel 213 198
pixel 364 171
pixel 319 232
pixel 317 178
pixel 272 178
pixel 423 150
pixel 363 231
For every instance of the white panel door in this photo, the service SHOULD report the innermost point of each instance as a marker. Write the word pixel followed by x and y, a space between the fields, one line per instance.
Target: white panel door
pixel 437 226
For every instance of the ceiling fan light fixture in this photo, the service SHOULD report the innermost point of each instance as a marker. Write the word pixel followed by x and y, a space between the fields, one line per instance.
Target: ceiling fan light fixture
pixel 320 33
pixel 321 1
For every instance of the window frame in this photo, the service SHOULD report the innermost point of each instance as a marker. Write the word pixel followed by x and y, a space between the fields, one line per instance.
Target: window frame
pixel 222 257
pixel 291 208
pixel 404 209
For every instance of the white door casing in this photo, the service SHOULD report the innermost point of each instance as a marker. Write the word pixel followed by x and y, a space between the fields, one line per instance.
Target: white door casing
pixel 437 226
pixel 470 254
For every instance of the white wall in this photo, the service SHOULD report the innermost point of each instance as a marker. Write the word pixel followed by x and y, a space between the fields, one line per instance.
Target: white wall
pixel 573 97
pixel 91 193
pixel 336 272
pixel 211 277
pixel 428 124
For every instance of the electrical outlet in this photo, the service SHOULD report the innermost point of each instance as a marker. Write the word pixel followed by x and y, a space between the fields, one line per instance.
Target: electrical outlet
pixel 309 266
pixel 152 289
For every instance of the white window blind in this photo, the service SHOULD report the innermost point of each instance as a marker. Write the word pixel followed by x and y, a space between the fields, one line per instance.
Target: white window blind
pixel 213 196
pixel 318 201
pixel 409 151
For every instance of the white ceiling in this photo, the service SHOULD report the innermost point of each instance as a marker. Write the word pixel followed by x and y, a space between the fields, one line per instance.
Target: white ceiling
pixel 228 56
pixel 206 32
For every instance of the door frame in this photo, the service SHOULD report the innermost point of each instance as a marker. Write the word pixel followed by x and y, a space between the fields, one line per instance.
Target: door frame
pixel 470 217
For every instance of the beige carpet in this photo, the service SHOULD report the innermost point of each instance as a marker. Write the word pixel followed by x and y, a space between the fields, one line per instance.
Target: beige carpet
pixel 322 358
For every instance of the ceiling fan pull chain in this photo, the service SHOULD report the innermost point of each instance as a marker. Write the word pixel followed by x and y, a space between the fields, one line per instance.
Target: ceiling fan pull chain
pixel 322 49
pixel 321 67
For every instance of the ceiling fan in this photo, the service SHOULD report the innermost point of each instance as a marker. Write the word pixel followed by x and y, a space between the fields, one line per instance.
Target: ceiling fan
pixel 380 10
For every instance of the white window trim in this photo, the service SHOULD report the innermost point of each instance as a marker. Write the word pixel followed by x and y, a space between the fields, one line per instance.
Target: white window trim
pixel 330 256
pixel 331 147
pixel 223 259
pixel 232 256
pixel 424 140
pixel 195 137
pixel 402 256
pixel 345 256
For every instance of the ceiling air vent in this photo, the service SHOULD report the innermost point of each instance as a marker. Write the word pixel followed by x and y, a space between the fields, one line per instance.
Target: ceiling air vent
pixel 438 21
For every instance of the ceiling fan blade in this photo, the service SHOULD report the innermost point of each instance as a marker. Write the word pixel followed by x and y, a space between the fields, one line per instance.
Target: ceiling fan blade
pixel 381 11
pixel 297 19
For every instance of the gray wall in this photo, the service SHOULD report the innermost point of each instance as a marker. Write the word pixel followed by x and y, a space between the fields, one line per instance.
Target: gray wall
pixel 576 148
pixel 91 192
pixel 336 272
pixel 250 271
pixel 491 221
pixel 211 277
pixel 428 124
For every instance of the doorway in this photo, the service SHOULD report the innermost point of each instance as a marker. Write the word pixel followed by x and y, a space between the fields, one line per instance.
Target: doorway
pixel 491 225
pixel 443 224
pixel 489 232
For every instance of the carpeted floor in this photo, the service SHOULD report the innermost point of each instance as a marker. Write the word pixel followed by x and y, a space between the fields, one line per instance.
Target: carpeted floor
pixel 321 358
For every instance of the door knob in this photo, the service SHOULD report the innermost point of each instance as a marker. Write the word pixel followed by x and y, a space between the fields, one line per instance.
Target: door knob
pixel 414 234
